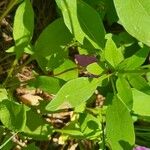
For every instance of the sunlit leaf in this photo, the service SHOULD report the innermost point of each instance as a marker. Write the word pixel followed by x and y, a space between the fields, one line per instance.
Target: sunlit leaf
pixel 135 17
pixel 78 17
pixel 74 92
pixel 23 26
pixel 119 126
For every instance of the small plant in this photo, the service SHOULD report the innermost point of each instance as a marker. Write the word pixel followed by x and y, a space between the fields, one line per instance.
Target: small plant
pixel 89 83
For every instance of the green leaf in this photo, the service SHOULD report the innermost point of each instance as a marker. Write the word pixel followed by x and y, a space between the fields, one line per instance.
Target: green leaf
pixel 119 126
pixel 74 92
pixel 94 69
pixel 78 17
pixel 134 61
pixel 12 115
pixel 124 91
pixel 28 49
pixel 50 51
pixel 23 26
pixel 141 103
pixel 135 17
pixel 7 143
pixel 112 54
pixel 87 126
pixel 31 146
pixel 99 5
pixel 36 126
pixel 67 71
pixel 3 94
pixel 123 39
pixel 72 129
pixel 50 85
pixel 90 126
pixel 111 14
pixel 139 83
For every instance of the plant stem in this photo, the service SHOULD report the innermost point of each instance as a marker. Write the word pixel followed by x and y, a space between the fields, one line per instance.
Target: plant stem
pixel 113 86
pixel 1 146
pixel 10 71
pixel 135 71
pixel 7 56
pixel 9 7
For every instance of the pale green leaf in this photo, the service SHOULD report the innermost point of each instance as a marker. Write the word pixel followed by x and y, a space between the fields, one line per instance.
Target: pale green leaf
pixel 94 69
pixel 135 17
pixel 3 94
pixel 28 49
pixel 124 91
pixel 67 71
pixel 74 92
pixel 119 126
pixel 141 103
pixel 23 26
pixel 112 54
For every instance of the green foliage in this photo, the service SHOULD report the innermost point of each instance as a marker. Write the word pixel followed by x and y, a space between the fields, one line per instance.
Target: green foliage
pixel 47 84
pixel 124 91
pixel 50 49
pixel 23 26
pixel 119 126
pixel 105 92
pixel 141 103
pixel 67 71
pixel 76 17
pixel 135 17
pixel 36 127
pixel 113 55
pixel 12 115
pixel 94 69
pixel 73 93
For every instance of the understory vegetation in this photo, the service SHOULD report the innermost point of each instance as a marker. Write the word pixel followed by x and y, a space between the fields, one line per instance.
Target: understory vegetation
pixel 74 75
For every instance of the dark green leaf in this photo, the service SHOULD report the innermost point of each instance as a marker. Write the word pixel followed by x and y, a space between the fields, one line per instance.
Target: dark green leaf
pixel 111 12
pixel 50 49
pixel 119 126
pixel 50 85
pixel 36 126
pixel 135 61
pixel 12 115
pixel 90 126
pixel 31 147
pixel 139 83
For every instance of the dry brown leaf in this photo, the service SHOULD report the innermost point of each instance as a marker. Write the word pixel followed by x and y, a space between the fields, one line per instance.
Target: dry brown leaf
pixel 29 99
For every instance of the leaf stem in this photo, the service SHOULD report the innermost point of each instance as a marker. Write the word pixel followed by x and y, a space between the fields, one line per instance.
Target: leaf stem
pixel 1 146
pixel 135 71
pixel 10 6
pixel 10 72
